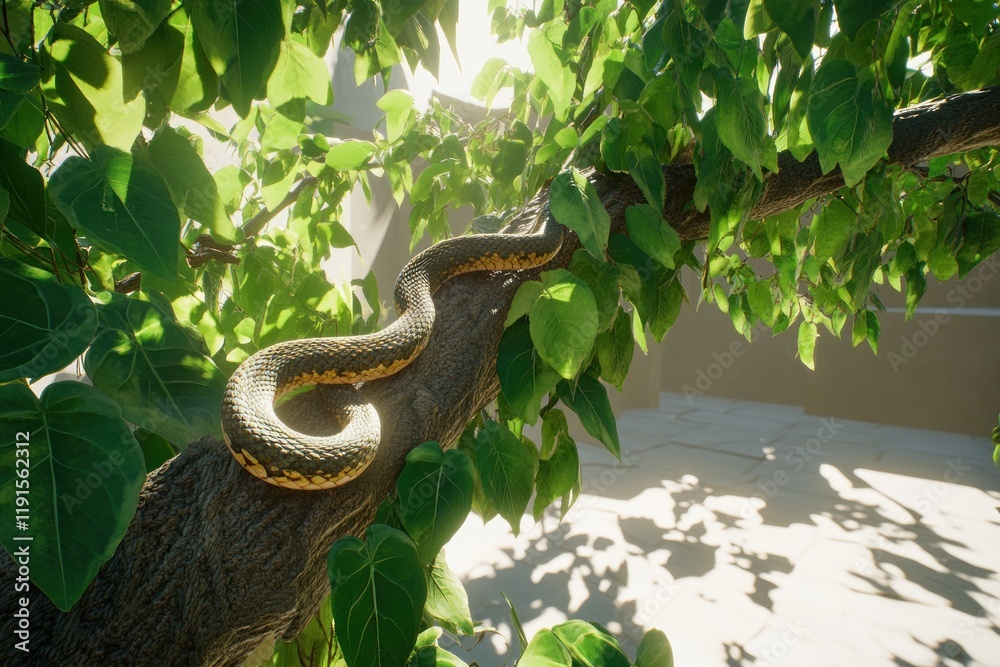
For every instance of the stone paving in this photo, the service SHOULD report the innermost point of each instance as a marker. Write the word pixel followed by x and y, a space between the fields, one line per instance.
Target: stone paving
pixel 755 534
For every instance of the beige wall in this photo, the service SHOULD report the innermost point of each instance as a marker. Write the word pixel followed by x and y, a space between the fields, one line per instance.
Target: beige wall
pixel 940 370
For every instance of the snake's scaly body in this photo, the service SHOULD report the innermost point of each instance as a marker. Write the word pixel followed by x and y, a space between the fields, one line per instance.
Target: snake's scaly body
pixel 324 458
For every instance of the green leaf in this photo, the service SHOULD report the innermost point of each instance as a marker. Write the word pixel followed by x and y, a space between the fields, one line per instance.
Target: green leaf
pixel 190 182
pixel 762 301
pixel 507 471
pixel 647 172
pixel 654 650
pixel 447 600
pixel 652 234
pixel 615 348
pixel 559 471
pixel 17 76
pixel 434 656
pixel 493 77
pixel 916 286
pixel 515 620
pixel 659 98
pixel 85 92
pixel 510 160
pixel 832 228
pixel 865 327
pixel 197 83
pixel 714 189
pixel 850 122
pixel 525 377
pixel 435 496
pixel 119 202
pixel 242 40
pixel 172 69
pixel 545 650
pixel 85 474
pixel 26 188
pixel 852 14
pixel 658 301
pixel 807 344
pixel 379 590
pixel 352 154
pixel 133 21
pixel 575 204
pixel 977 13
pixel 741 123
pixel 398 107
pixel 606 281
pixel 146 362
pixel 661 302
pixel 45 326
pixel 564 322
pixel 299 74
pixel 981 239
pixel 524 300
pixel 797 19
pixel 589 645
pixel 156 450
pixel 590 403
pixel 559 79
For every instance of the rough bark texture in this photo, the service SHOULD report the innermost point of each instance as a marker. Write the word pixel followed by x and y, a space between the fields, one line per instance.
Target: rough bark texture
pixel 216 562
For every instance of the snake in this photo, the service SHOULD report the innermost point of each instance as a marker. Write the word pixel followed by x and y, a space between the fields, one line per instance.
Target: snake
pixel 337 435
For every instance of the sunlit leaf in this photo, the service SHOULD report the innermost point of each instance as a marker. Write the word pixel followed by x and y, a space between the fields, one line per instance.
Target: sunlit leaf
pixel 122 203
pixel 85 91
pixel 575 204
pixel 447 600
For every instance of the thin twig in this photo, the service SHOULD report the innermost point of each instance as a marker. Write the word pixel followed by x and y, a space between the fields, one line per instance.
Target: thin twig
pixel 255 224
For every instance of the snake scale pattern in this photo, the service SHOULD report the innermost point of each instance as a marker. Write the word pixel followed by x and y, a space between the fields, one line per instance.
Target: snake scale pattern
pixel 337 435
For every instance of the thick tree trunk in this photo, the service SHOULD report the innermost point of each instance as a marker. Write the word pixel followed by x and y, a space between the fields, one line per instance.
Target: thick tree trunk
pixel 216 562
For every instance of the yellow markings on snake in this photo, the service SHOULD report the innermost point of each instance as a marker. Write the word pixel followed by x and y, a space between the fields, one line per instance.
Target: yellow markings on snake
pixel 264 444
pixel 345 377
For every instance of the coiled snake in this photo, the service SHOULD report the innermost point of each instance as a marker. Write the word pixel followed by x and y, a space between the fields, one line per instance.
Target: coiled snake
pixel 335 444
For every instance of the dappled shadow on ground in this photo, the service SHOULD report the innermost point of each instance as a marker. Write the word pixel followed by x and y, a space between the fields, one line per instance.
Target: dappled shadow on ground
pixel 786 545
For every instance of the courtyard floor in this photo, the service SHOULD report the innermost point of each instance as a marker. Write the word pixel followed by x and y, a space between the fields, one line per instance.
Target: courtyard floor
pixel 756 534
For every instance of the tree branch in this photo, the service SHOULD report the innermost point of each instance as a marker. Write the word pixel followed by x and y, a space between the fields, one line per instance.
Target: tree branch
pixel 216 562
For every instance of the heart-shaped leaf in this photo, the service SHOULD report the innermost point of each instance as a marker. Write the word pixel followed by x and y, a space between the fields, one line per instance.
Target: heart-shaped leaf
pixel 123 204
pixel 70 475
pixel 145 361
pixel 435 496
pixel 44 326
pixel 379 591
